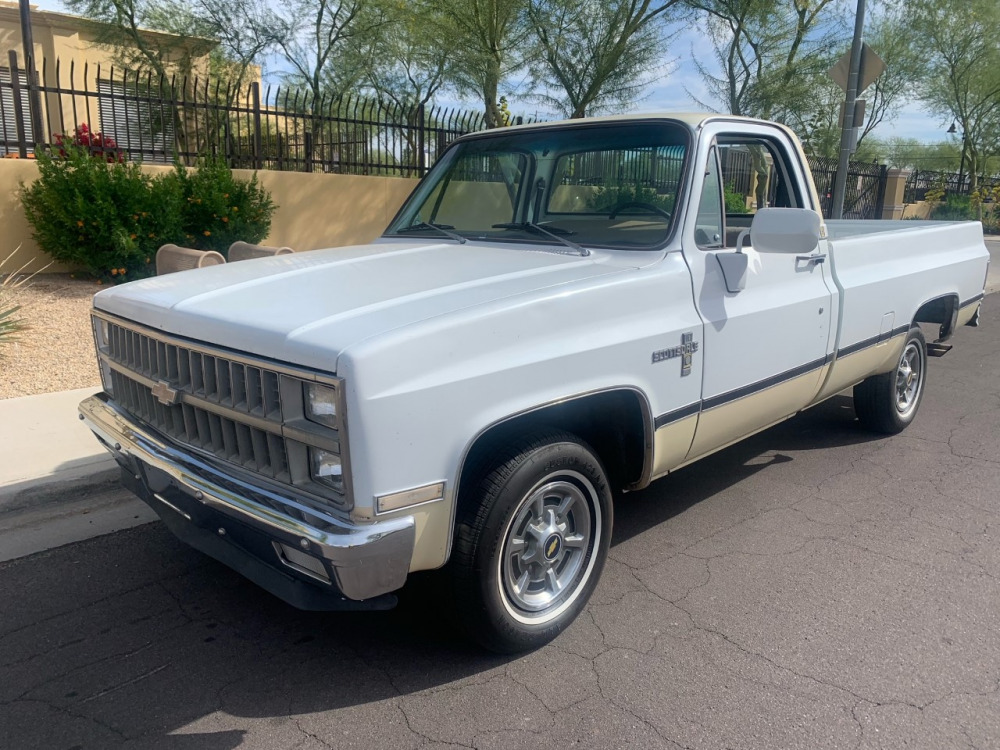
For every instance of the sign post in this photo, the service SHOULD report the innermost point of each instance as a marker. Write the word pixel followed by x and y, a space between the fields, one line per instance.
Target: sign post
pixel 852 83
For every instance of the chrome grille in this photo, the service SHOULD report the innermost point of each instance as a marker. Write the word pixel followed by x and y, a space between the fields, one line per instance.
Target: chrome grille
pixel 241 409
pixel 223 381
pixel 258 450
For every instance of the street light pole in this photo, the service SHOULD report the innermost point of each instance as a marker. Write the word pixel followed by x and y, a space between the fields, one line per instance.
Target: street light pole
pixel 26 39
pixel 847 131
pixel 30 68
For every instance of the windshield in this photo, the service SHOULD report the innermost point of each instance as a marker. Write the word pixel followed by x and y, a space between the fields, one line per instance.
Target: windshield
pixel 601 186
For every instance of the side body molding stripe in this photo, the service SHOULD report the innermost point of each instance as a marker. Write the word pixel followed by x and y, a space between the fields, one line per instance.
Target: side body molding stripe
pixel 857 347
pixel 748 390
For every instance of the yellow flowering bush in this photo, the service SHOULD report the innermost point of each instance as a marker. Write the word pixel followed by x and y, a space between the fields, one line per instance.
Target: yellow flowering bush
pixel 106 217
pixel 219 209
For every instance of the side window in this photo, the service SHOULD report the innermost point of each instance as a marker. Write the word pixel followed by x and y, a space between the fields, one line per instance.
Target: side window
pixel 755 174
pixel 709 224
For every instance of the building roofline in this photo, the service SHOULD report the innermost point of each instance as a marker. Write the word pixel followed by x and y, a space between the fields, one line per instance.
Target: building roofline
pixel 55 19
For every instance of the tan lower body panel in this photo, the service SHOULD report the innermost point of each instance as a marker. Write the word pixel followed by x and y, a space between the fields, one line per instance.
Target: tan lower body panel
pixel 853 368
pixel 965 313
pixel 729 423
pixel 433 532
pixel 671 443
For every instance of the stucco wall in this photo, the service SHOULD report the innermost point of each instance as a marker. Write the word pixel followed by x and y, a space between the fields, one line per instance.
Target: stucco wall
pixel 314 210
pixel 918 210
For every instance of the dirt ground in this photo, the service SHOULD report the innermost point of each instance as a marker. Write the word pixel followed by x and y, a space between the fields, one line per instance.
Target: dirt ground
pixel 57 352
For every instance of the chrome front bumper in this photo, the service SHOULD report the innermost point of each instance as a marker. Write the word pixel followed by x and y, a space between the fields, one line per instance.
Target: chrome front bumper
pixel 264 532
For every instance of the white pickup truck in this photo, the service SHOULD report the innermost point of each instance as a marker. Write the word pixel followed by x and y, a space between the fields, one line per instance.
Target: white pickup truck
pixel 559 312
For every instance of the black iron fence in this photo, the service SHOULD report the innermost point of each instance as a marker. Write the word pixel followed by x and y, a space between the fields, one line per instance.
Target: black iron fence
pixel 155 119
pixel 953 183
pixel 865 193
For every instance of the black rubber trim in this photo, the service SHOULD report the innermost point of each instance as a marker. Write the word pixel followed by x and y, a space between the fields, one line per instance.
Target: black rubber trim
pixel 677 414
pixel 245 550
pixel 857 347
pixel 761 385
pixel 973 300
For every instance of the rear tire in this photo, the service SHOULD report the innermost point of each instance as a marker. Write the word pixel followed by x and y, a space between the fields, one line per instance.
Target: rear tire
pixel 887 403
pixel 531 545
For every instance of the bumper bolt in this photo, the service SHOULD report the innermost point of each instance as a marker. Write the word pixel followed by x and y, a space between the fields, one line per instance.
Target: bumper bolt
pixel 222 531
pixel 304 543
pixel 118 446
pixel 80 416
pixel 199 496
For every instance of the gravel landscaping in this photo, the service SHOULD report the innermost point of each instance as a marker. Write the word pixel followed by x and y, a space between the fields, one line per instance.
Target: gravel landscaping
pixel 57 353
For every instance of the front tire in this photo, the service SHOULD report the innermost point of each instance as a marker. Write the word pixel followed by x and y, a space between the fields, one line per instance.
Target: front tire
pixel 530 547
pixel 888 402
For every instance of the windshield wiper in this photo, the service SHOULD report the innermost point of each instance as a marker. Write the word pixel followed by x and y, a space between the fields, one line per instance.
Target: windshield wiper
pixel 539 229
pixel 442 228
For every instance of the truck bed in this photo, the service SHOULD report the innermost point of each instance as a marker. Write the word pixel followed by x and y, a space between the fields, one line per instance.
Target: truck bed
pixel 877 266
pixel 844 228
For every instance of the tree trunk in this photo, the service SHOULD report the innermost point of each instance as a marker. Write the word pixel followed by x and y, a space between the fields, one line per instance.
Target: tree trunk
pixel 491 90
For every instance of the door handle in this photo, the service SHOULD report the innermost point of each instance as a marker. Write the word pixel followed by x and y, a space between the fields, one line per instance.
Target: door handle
pixel 818 258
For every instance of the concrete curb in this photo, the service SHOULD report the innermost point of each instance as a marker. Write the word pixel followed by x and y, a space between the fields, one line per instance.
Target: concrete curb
pixel 33 494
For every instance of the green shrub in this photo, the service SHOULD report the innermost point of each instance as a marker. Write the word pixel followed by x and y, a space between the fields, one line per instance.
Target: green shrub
pixel 219 209
pixel 606 199
pixel 954 208
pixel 11 324
pixel 736 203
pixel 109 218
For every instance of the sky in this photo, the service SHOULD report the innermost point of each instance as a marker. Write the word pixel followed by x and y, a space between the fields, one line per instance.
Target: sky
pixel 680 84
pixel 669 92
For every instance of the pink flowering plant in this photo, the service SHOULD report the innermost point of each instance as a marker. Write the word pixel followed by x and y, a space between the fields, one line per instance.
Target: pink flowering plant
pixel 97 144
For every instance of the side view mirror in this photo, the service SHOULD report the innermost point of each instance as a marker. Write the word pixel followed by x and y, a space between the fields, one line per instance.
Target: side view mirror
pixel 784 230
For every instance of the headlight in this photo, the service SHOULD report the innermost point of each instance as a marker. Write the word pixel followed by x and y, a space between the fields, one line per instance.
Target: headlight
pixel 101 339
pixel 325 468
pixel 321 404
pixel 101 333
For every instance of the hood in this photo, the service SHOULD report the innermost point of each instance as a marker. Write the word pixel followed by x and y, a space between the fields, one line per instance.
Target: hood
pixel 308 307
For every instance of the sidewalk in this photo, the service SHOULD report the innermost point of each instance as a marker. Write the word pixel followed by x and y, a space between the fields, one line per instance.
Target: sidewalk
pixel 57 484
pixel 46 445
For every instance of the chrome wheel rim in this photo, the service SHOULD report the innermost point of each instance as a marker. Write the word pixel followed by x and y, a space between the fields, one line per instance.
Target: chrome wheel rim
pixel 547 553
pixel 909 378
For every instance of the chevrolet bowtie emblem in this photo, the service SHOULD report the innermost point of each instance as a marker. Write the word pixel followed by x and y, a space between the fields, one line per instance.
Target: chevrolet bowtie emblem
pixel 166 395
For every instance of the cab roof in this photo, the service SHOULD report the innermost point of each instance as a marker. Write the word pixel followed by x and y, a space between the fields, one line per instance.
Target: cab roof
pixel 693 120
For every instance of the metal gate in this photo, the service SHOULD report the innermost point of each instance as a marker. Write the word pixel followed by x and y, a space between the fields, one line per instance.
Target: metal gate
pixel 865 194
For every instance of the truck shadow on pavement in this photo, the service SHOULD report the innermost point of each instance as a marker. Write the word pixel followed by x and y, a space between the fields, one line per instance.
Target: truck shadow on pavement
pixel 134 639
pixel 828 425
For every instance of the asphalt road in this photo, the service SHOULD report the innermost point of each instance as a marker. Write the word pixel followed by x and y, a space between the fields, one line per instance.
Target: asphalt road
pixel 812 587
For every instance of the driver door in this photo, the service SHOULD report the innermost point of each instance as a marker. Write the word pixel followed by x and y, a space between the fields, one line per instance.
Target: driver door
pixel 767 346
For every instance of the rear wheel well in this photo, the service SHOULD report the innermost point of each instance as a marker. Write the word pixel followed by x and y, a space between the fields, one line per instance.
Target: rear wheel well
pixel 943 310
pixel 613 423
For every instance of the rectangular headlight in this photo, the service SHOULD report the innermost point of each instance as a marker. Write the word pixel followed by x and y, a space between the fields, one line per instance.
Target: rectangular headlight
pixel 101 333
pixel 101 341
pixel 320 404
pixel 326 468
